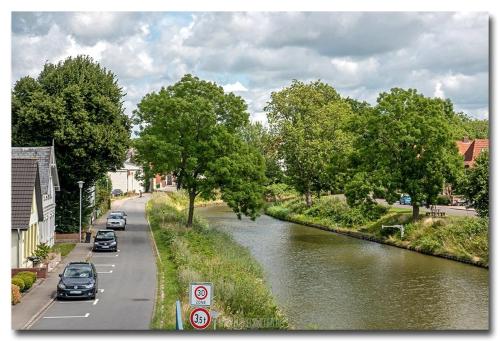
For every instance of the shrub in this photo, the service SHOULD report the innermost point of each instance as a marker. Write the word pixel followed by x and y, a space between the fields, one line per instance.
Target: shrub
pixel 42 251
pixel 18 281
pixel 15 294
pixel 443 200
pixel 28 278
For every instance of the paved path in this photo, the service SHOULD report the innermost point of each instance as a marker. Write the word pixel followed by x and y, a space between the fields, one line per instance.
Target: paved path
pixel 127 281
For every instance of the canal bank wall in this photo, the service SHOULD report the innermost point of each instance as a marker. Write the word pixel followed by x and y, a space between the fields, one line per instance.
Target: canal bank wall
pixel 372 238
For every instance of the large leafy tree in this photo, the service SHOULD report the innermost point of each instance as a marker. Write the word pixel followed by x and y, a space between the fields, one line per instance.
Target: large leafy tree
pixel 77 104
pixel 406 145
pixel 258 136
pixel 476 184
pixel 311 123
pixel 194 130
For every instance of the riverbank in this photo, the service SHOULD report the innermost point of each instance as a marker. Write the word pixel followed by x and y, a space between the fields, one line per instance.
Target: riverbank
pixel 203 254
pixel 463 239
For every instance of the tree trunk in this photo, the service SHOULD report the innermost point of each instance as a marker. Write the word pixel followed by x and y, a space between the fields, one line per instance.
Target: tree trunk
pixel 308 198
pixel 415 212
pixel 192 196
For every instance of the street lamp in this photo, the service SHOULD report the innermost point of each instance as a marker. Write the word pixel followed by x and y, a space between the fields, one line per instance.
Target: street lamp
pixel 80 185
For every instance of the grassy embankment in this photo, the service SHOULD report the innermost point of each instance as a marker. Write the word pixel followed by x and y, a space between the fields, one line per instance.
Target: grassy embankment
pixel 63 248
pixel 460 238
pixel 204 254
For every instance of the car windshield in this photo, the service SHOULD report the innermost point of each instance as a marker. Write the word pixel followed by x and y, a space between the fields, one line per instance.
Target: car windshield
pixel 114 216
pixel 105 235
pixel 78 272
pixel 117 213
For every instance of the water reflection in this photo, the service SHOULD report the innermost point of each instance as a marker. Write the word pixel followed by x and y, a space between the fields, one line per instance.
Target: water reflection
pixel 329 281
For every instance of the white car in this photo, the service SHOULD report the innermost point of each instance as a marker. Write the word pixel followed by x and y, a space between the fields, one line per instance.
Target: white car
pixel 115 221
pixel 120 213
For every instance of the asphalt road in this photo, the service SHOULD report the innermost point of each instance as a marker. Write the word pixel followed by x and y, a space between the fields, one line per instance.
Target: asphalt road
pixel 126 281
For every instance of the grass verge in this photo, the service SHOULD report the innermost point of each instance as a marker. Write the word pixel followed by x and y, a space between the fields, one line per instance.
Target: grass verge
pixel 462 239
pixel 204 254
pixel 63 248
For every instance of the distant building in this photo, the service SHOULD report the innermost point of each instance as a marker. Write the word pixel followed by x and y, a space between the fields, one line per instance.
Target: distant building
pixel 27 211
pixel 125 177
pixel 167 183
pixel 49 181
pixel 470 150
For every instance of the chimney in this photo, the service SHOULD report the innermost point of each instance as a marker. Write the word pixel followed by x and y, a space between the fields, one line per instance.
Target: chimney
pixel 465 139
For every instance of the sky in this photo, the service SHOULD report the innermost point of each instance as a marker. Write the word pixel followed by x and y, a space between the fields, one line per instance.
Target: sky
pixel 361 54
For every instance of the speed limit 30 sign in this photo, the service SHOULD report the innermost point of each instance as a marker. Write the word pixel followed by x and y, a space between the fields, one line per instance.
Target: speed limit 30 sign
pixel 200 318
pixel 200 294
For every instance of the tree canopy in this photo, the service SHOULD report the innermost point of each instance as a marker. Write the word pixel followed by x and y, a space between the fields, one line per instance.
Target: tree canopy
pixel 476 184
pixel 310 122
pixel 194 130
pixel 406 145
pixel 77 104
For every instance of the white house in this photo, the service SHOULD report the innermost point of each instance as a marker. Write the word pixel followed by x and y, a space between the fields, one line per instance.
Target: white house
pixel 125 177
pixel 27 211
pixel 49 182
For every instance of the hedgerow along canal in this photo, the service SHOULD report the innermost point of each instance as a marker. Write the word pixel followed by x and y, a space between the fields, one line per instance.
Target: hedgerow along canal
pixel 323 280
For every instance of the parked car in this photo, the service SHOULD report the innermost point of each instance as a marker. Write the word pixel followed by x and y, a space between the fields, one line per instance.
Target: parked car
pixel 122 214
pixel 405 200
pixel 115 221
pixel 105 240
pixel 79 279
pixel 116 192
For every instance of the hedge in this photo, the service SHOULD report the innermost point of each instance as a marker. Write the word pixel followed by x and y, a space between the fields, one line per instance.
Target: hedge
pixel 15 294
pixel 18 281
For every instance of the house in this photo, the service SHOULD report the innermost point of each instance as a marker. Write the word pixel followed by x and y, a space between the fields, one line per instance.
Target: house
pixel 49 181
pixel 166 183
pixel 470 150
pixel 125 177
pixel 27 211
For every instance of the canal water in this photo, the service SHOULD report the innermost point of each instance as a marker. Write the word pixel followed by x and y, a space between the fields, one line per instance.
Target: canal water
pixel 323 280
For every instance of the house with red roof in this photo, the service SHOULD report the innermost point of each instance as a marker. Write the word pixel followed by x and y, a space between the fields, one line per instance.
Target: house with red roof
pixel 470 150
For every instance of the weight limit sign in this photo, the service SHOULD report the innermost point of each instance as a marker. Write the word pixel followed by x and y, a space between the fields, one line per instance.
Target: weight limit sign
pixel 200 318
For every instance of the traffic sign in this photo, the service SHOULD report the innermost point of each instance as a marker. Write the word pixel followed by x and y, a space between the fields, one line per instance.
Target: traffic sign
pixel 200 294
pixel 200 318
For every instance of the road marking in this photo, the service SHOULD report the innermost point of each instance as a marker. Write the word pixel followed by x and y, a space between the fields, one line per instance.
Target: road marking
pixel 105 272
pixel 105 265
pixel 104 256
pixel 73 302
pixel 65 317
pixel 118 250
pixel 101 290
pixel 95 302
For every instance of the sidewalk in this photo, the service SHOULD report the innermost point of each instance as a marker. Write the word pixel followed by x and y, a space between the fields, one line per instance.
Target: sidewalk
pixel 43 293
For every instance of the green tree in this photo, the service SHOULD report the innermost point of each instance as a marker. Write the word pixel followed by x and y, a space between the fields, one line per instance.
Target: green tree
pixel 311 124
pixel 476 184
pixel 77 104
pixel 406 145
pixel 258 136
pixel 193 129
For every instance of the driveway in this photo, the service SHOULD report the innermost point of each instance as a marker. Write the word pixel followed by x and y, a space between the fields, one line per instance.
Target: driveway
pixel 127 283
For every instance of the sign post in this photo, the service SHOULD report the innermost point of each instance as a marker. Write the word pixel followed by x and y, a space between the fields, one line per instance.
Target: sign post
pixel 200 318
pixel 200 294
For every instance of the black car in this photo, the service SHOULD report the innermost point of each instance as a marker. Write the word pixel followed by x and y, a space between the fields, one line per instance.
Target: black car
pixel 105 240
pixel 116 192
pixel 79 279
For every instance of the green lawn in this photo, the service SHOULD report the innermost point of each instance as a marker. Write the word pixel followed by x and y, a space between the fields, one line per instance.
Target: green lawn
pixel 63 248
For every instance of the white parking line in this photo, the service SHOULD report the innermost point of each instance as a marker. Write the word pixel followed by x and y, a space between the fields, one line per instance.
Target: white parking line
pixel 101 290
pixel 65 317
pixel 105 265
pixel 95 302
pixel 74 302
pixel 104 256
pixel 105 272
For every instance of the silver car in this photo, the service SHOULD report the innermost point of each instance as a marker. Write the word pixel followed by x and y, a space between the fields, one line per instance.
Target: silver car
pixel 115 221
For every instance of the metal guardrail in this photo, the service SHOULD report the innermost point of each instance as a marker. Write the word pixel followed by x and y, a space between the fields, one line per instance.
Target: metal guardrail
pixel 178 316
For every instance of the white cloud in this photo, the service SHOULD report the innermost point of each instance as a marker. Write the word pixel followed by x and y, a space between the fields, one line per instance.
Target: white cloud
pixel 438 91
pixel 234 87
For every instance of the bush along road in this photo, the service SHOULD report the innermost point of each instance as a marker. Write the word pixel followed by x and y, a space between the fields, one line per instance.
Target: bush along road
pixel 204 254
pixel 459 238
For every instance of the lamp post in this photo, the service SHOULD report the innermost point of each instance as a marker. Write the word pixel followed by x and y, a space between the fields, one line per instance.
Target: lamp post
pixel 80 185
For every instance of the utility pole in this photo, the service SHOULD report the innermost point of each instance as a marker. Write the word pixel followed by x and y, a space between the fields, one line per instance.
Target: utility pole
pixel 80 185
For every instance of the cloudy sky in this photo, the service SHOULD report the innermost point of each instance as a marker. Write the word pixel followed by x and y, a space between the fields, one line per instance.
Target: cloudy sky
pixel 255 53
